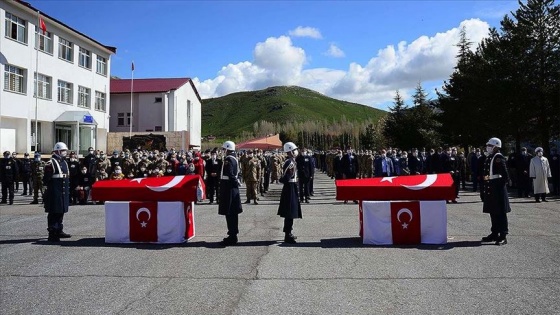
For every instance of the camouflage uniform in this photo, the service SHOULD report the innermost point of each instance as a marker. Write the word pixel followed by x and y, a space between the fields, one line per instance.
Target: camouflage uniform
pixel 37 174
pixel 251 175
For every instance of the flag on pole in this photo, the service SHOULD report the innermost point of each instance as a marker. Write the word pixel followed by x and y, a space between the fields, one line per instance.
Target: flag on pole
pixel 133 66
pixel 42 24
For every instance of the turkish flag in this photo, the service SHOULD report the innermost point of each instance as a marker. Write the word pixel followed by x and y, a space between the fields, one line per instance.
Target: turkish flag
pixel 414 187
pixel 189 220
pixel 143 221
pixel 408 222
pixel 42 25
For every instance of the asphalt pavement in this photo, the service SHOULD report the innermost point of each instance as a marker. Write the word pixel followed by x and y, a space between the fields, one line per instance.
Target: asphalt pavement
pixel 328 271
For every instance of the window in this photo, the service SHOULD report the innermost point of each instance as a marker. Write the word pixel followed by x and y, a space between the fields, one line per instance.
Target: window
pixel 158 99
pixel 64 92
pixel 99 101
pixel 121 122
pixel 157 128
pixel 43 42
pixel 16 28
pixel 101 65
pixel 14 79
pixel 83 96
pixel 65 49
pixel 43 85
pixel 85 58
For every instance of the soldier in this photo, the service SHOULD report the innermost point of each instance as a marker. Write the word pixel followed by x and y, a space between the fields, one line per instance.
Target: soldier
pixel 26 174
pixel 304 174
pixel 85 180
pixel 275 167
pixel 128 163
pixel 473 164
pixel 230 200
pixel 74 169
pixel 103 163
pixel 337 165
pixel 368 164
pixel 450 165
pixel 213 168
pixel 267 170
pixel 462 168
pixel 114 161
pixel 90 161
pixel 57 195
pixel 37 173
pixel 8 175
pixel 142 170
pixel 251 176
pixel 290 207
pixel 495 196
pixel 262 161
pixel 19 168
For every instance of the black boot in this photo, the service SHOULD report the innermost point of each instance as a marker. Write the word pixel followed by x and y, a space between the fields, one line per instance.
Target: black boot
pixel 34 202
pixel 502 240
pixel 492 237
pixel 230 240
pixel 61 234
pixel 290 238
pixel 53 235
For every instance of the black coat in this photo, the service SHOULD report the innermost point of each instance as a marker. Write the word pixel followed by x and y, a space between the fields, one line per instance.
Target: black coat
pixel 350 166
pixel 230 200
pixel 495 195
pixel 304 167
pixel 57 195
pixel 289 199
pixel 415 165
pixel 8 170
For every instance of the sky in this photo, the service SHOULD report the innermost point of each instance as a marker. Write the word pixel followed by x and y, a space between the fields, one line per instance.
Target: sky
pixel 357 51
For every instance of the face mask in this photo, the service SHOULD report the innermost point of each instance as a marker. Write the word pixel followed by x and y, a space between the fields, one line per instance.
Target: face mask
pixel 102 156
pixel 63 153
pixel 295 152
pixel 72 159
pixel 169 170
pixel 115 155
pixel 118 172
pixel 414 154
pixel 91 152
pixel 130 175
pixel 214 156
pixel 83 172
pixel 250 155
pixel 142 169
pixel 404 156
pixel 156 171
pixel 37 159
pixel 448 152
pixel 489 149
pixel 477 153
pixel 539 153
pixel 524 153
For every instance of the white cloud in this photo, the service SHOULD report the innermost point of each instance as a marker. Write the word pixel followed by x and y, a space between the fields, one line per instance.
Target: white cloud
pixel 278 62
pixel 307 31
pixel 334 51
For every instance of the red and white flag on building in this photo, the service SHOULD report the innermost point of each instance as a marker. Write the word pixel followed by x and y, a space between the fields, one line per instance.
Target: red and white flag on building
pixel 148 221
pixel 42 24
pixel 404 222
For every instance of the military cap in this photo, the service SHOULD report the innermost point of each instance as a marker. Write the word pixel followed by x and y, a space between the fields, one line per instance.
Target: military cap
pixel 26 154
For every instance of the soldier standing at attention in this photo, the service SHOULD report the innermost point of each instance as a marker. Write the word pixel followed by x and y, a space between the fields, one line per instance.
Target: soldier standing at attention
pixel 252 174
pixel 230 200
pixel 37 174
pixel 26 174
pixel 290 207
pixel 57 195
pixel 74 169
pixel 495 196
pixel 8 174
pixel 213 168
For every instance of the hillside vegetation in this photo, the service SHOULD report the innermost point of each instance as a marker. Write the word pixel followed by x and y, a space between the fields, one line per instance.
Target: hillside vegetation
pixel 232 114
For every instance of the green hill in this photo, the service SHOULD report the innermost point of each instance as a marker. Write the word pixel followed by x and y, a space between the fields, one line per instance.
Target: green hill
pixel 231 114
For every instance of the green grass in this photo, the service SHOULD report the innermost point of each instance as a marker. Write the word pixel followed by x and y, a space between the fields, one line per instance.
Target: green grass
pixel 231 114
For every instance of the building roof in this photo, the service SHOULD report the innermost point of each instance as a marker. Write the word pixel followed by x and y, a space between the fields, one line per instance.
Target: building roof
pixel 49 18
pixel 155 85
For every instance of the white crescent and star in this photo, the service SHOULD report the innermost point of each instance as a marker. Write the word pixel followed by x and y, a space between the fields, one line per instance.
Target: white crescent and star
pixel 143 223
pixel 176 180
pixel 429 181
pixel 388 179
pixel 138 180
pixel 404 210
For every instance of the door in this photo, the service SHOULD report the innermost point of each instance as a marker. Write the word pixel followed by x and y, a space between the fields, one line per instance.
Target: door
pixel 63 133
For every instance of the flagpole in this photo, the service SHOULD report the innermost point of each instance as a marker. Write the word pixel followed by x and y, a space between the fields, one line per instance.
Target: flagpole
pixel 131 89
pixel 37 40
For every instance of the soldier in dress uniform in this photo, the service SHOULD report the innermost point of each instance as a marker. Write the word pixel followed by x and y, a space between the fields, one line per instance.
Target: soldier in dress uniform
pixel 290 207
pixel 37 174
pixel 57 195
pixel 304 174
pixel 230 200
pixel 213 168
pixel 8 175
pixel 495 195
pixel 26 174
pixel 74 169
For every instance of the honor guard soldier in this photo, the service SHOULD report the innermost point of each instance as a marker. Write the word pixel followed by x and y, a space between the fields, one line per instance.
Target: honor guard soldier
pixel 290 207
pixel 495 196
pixel 230 200
pixel 26 169
pixel 213 168
pixel 37 174
pixel 8 175
pixel 57 195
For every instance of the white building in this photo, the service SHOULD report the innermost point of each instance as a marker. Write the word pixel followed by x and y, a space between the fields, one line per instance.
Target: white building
pixel 170 104
pixel 73 83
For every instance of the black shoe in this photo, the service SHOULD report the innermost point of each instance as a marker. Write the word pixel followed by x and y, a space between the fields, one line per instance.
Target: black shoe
pixel 306 200
pixel 537 201
pixel 544 200
pixel 490 238
pixel 3 201
pixel 211 202
pixel 11 202
pixel 255 202
pixel 24 194
pixel 501 241
pixel 248 201
pixel 229 241
pixel 345 201
pixel 61 234
pixel 454 201
pixel 290 239
pixel 34 202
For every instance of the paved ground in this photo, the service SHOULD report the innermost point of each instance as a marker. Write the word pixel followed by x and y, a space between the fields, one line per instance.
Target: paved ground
pixel 327 272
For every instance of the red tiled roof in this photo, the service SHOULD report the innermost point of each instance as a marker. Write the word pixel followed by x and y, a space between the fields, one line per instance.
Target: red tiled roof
pixel 122 86
pixel 147 85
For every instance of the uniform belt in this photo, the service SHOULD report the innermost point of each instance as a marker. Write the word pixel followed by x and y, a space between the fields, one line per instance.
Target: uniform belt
pixel 59 176
pixel 495 176
pixel 225 177
pixel 292 181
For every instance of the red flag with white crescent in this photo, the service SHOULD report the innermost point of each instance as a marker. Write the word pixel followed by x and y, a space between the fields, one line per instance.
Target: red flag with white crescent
pixel 143 221
pixel 42 25
pixel 405 222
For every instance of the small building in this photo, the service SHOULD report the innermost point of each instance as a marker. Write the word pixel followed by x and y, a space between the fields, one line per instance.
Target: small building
pixel 158 105
pixel 55 83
